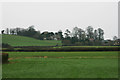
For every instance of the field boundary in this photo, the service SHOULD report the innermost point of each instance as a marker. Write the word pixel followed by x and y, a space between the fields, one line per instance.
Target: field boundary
pixel 60 49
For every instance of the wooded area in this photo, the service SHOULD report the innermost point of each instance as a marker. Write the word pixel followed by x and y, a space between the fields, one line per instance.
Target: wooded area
pixel 78 36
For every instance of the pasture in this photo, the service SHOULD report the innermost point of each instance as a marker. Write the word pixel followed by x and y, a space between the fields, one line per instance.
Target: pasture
pixel 61 65
pixel 15 40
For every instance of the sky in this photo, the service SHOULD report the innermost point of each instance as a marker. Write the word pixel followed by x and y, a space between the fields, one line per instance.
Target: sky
pixel 55 16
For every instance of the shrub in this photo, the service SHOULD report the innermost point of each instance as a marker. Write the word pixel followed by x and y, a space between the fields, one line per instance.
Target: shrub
pixel 5 45
pixel 4 57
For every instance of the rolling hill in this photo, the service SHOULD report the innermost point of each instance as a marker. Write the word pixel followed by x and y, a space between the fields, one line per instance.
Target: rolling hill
pixel 15 40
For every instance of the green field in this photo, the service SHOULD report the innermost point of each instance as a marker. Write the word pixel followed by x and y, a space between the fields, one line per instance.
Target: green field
pixel 15 40
pixel 61 65
pixel 92 46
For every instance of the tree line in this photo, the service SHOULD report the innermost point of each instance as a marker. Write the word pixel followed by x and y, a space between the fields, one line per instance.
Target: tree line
pixel 77 36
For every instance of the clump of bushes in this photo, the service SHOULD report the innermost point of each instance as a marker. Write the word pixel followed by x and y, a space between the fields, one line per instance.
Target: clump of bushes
pixel 5 45
pixel 4 57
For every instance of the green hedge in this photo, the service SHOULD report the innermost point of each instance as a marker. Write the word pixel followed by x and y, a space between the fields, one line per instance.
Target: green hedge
pixel 67 49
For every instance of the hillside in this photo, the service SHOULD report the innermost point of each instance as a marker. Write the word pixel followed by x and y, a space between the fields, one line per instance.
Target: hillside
pixel 15 40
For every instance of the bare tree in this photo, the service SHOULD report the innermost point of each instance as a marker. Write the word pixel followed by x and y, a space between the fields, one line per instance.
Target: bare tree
pixel 67 33
pixel 115 38
pixel 7 30
pixel 89 32
pixel 100 34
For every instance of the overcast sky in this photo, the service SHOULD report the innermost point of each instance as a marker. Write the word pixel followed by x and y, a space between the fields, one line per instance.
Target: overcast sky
pixel 54 16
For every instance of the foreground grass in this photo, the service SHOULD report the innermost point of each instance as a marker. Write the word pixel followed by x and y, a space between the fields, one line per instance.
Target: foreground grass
pixel 66 67
pixel 64 54
pixel 15 40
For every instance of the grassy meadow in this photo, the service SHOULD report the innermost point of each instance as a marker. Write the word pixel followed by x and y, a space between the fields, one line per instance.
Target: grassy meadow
pixel 15 40
pixel 82 64
pixel 61 65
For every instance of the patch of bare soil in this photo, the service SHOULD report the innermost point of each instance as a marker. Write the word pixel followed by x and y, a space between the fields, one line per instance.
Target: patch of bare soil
pixel 13 62
pixel 63 57
pixel 93 57
pixel 14 58
pixel 34 57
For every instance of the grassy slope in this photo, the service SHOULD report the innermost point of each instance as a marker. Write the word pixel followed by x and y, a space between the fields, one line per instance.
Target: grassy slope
pixel 62 67
pixel 15 40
